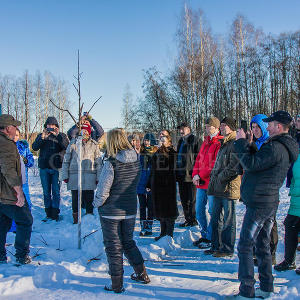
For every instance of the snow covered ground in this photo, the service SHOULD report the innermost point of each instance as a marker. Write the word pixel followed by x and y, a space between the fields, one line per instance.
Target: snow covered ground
pixel 176 268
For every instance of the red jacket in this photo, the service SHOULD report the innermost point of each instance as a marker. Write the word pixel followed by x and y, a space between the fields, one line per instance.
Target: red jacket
pixel 206 158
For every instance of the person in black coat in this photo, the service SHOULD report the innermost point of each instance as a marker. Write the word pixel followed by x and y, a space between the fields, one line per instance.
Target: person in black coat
pixel 162 183
pixel 187 151
pixel 265 171
pixel 52 145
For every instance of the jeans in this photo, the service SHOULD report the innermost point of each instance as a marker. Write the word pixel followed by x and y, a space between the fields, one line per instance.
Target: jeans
pixel 187 192
pixel 118 239
pixel 292 229
pixel 146 207
pixel 256 230
pixel 201 213
pixel 223 225
pixel 23 218
pixel 50 182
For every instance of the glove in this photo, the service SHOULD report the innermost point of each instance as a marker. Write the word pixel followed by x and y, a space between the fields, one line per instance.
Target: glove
pixel 97 181
pixel 25 160
pixel 66 180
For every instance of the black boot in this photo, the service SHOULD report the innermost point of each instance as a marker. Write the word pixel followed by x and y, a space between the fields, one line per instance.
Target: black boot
pixel 285 266
pixel 48 212
pixel 75 218
pixel 163 229
pixel 55 214
pixel 170 227
pixel 140 274
pixel 116 285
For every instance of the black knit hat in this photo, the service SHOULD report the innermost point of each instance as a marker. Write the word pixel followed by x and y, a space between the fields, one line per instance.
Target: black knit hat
pixel 231 123
pixel 51 121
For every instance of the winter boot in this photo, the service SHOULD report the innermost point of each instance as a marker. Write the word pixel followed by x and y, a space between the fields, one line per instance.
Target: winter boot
pixel 285 266
pixel 140 274
pixel 75 218
pixel 148 227
pixel 55 214
pixel 116 285
pixel 48 212
pixel 205 244
pixel 23 260
pixel 170 227
pixel 163 229
pixel 143 228
pixel 262 294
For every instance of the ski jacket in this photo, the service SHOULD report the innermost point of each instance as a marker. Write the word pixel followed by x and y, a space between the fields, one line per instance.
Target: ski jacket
pixel 206 159
pixel 10 170
pixel 225 179
pixel 116 191
pixel 90 165
pixel 295 190
pixel 266 169
pixel 145 160
pixel 52 150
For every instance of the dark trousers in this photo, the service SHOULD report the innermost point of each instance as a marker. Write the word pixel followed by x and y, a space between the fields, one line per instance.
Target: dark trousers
pixel 87 198
pixel 23 218
pixel 118 239
pixel 223 223
pixel 167 226
pixel 256 230
pixel 146 207
pixel 187 192
pixel 292 229
pixel 50 183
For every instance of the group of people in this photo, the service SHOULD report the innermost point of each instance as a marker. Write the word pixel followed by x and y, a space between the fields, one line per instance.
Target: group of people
pixel 231 164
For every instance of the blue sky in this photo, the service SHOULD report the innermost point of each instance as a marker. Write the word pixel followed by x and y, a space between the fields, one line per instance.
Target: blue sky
pixel 117 39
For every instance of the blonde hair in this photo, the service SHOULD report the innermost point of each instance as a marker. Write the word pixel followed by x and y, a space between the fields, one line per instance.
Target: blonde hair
pixel 117 141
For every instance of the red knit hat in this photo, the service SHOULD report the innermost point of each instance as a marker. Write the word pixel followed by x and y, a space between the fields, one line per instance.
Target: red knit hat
pixel 87 126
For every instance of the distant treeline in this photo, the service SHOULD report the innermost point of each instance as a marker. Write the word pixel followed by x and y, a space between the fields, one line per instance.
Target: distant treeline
pixel 240 75
pixel 27 99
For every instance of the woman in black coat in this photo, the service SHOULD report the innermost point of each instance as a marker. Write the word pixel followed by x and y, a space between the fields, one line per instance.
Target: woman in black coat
pixel 163 185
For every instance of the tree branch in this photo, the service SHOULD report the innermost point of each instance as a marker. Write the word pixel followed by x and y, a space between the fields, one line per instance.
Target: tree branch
pixel 65 110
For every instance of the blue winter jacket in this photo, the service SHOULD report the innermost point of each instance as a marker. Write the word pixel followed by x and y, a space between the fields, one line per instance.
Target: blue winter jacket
pixel 24 151
pixel 258 119
pixel 145 160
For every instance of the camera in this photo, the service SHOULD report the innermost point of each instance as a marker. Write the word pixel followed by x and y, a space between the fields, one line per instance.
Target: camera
pixel 50 129
pixel 244 125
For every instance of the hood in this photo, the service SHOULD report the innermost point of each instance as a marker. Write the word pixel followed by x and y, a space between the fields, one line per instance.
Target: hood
pixel 150 136
pixel 290 144
pixel 229 137
pixel 127 156
pixel 22 144
pixel 258 119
